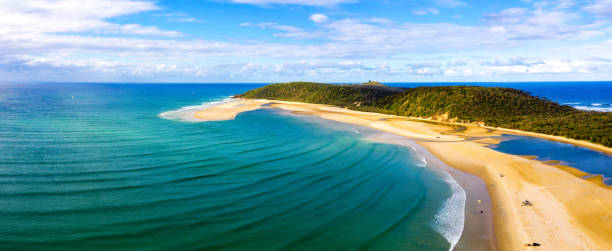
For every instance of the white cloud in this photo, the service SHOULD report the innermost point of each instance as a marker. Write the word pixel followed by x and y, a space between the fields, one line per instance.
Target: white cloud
pixel 463 73
pixel 513 62
pixel 545 66
pixel 178 17
pixel 76 9
pixel 61 64
pixel 601 8
pixel 318 67
pixel 185 20
pixel 451 3
pixel 137 29
pixel 456 63
pixel 438 69
pixel 298 2
pixel 319 18
pixel 427 11
pixel 289 31
pixel 38 37
pixel 41 16
pixel 275 26
pixel 506 29
pixel 378 20
pixel 507 16
pixel 345 39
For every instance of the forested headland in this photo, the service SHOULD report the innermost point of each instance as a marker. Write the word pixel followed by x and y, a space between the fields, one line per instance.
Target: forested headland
pixel 489 106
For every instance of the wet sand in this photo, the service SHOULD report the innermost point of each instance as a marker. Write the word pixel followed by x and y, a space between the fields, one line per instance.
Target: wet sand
pixel 228 110
pixel 478 234
pixel 568 213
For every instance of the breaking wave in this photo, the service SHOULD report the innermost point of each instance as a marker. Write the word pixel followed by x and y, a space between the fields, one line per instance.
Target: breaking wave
pixel 594 108
pixel 450 220
pixel 186 113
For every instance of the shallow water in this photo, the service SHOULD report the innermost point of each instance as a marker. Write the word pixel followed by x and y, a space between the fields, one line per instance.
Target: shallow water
pixel 98 167
pixel 587 160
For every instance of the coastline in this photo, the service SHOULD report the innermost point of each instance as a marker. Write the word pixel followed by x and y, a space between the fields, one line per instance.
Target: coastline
pixel 580 143
pixel 575 142
pixel 478 231
pixel 227 110
pixel 568 212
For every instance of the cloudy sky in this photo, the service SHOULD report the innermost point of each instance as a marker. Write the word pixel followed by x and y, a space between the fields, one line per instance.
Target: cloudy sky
pixel 314 40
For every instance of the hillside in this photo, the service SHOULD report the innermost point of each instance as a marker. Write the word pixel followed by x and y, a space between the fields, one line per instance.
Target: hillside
pixel 340 95
pixel 491 106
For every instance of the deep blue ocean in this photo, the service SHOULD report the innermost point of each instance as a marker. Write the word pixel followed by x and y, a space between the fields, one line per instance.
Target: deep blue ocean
pixel 93 166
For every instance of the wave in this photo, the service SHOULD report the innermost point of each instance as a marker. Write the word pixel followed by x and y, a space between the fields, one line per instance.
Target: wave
pixel 594 108
pixel 600 107
pixel 450 220
pixel 186 113
pixel 422 162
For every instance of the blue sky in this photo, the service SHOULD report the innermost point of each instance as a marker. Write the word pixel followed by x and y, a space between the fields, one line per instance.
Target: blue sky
pixel 316 40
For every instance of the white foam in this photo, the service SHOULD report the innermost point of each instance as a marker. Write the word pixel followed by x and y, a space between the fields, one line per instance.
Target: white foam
pixel 187 113
pixel 450 220
pixel 422 162
pixel 591 108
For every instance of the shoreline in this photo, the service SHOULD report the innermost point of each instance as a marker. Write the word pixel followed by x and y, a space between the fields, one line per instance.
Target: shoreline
pixel 568 212
pixel 575 142
pixel 478 231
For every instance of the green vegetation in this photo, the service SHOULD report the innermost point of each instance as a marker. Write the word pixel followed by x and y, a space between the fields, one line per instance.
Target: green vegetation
pixel 340 95
pixel 491 106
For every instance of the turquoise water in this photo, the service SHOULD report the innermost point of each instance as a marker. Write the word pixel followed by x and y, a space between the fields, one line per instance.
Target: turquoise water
pixel 124 167
pixel 97 167
pixel 582 158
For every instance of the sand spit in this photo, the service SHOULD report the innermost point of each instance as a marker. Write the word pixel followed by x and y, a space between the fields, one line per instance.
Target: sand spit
pixel 228 110
pixel 567 212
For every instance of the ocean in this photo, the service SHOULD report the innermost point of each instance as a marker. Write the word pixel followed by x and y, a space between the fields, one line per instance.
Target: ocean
pixel 96 166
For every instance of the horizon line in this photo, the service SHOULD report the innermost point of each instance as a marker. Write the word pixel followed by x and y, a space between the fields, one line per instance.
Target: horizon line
pixel 254 83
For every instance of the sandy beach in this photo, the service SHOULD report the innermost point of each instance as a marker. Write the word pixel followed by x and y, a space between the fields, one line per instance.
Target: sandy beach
pixel 568 212
pixel 229 110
